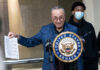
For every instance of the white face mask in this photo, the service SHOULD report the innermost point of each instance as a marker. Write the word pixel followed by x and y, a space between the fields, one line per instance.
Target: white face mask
pixel 79 15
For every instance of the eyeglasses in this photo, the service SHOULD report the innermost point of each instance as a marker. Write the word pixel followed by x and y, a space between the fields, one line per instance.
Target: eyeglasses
pixel 58 18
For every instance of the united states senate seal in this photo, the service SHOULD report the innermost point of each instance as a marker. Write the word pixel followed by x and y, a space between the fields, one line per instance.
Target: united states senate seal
pixel 67 47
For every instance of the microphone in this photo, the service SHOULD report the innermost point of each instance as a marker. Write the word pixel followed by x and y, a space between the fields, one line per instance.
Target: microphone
pixel 49 49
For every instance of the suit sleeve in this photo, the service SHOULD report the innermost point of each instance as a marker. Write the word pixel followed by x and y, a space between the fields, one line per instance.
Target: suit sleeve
pixel 32 41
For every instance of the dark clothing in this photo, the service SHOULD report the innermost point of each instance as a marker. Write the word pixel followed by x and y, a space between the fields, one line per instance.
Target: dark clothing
pixel 98 43
pixel 98 40
pixel 90 52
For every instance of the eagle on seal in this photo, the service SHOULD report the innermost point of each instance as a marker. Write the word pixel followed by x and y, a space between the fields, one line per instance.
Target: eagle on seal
pixel 66 48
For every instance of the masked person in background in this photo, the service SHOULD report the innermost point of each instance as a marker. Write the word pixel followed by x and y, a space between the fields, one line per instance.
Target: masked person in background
pixel 87 32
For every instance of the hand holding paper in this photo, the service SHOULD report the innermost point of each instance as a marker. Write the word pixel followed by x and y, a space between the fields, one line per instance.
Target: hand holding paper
pixel 11 47
pixel 12 35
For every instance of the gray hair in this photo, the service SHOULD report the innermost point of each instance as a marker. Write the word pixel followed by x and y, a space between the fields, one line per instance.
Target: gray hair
pixel 58 7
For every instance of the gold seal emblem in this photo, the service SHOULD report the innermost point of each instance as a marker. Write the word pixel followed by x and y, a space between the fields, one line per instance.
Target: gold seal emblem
pixel 67 46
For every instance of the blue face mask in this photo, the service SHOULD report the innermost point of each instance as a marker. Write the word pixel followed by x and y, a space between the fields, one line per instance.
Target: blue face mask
pixel 79 15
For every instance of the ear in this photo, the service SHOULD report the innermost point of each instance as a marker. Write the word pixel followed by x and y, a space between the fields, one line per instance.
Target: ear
pixel 73 12
pixel 64 17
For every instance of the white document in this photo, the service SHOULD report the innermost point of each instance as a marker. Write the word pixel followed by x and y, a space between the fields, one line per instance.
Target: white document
pixel 11 48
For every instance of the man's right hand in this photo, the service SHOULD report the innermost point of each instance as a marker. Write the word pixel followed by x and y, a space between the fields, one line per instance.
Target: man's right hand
pixel 12 35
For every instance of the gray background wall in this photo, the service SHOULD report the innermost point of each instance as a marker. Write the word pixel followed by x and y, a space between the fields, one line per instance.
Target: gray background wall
pixel 96 15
